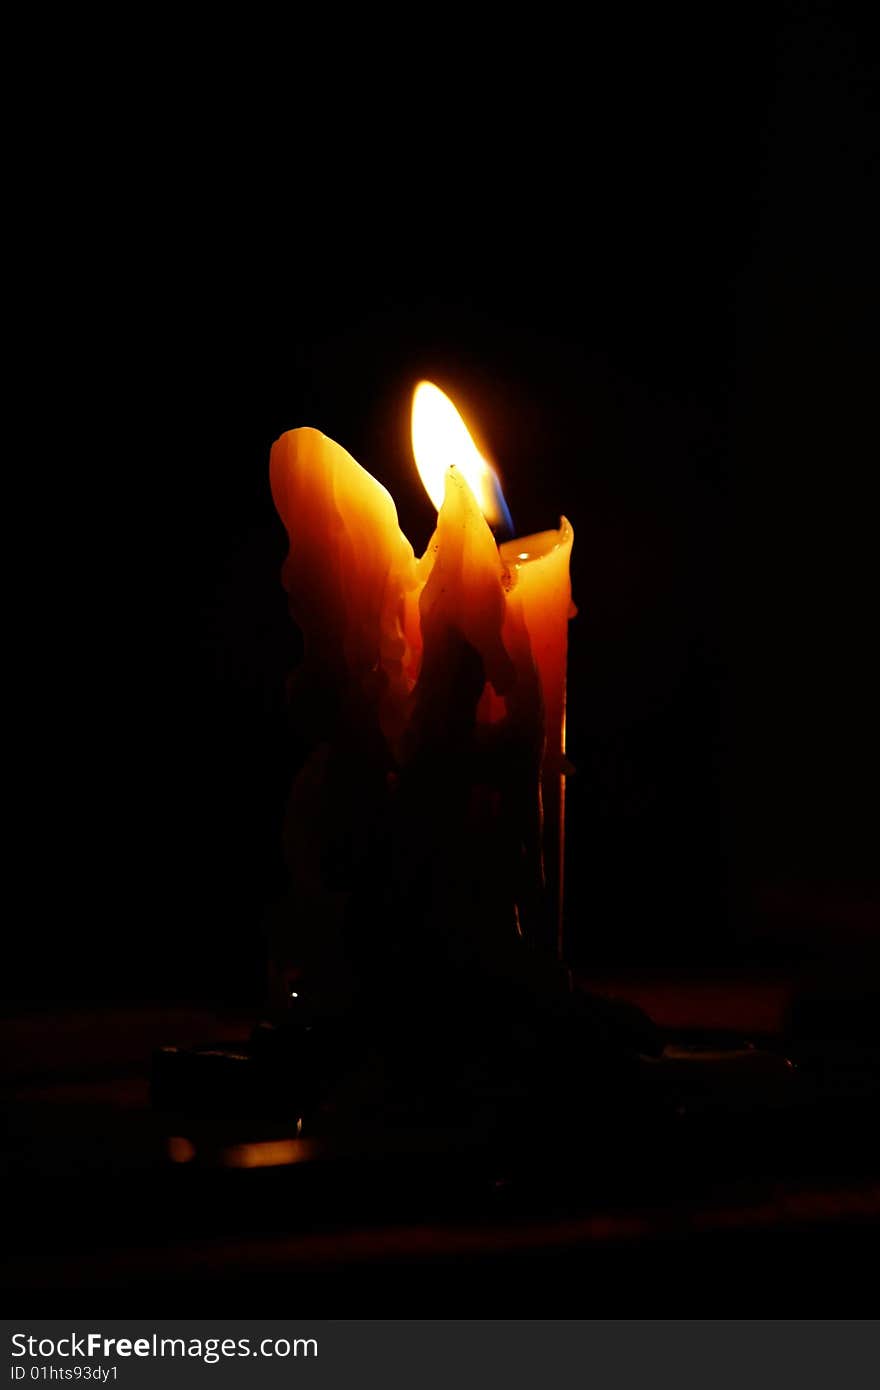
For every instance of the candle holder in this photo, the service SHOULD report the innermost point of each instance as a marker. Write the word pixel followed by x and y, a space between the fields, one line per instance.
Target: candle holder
pixel 561 1094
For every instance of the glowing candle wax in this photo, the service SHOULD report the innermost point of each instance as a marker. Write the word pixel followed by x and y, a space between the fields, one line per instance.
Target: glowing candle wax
pixel 446 674
pixel 347 572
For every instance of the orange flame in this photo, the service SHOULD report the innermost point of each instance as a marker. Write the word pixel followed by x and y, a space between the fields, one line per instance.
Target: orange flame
pixel 441 440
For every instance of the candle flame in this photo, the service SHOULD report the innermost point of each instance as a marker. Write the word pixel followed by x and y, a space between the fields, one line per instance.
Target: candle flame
pixel 441 440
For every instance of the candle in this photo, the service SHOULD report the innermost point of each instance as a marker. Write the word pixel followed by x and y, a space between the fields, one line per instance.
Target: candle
pixel 433 690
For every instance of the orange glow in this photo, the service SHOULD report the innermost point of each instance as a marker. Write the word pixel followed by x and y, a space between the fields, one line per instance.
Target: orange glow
pixel 268 1153
pixel 440 441
pixel 180 1150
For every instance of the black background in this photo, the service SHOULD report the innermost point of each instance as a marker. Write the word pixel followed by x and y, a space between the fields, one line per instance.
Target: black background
pixel 642 260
